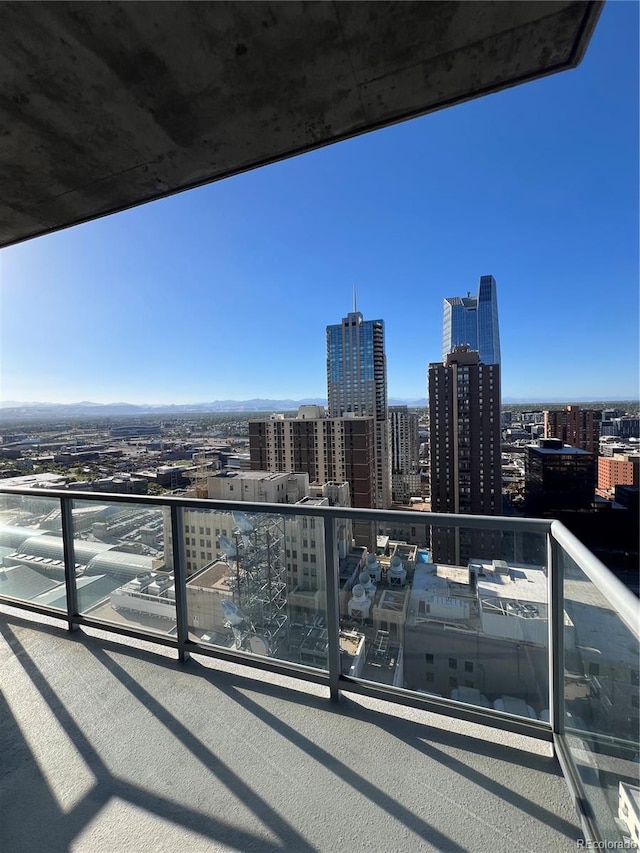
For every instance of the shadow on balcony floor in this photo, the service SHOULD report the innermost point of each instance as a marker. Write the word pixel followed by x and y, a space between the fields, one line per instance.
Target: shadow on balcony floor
pixel 112 747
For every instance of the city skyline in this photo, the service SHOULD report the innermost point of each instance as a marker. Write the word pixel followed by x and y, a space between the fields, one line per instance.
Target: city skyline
pixel 203 296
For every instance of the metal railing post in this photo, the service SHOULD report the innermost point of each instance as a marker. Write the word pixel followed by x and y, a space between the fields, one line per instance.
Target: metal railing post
pixel 66 517
pixel 179 580
pixel 556 636
pixel 333 607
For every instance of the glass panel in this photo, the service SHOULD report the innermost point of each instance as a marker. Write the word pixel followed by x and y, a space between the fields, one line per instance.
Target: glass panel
pixel 31 553
pixel 601 665
pixel 256 583
pixel 122 575
pixel 472 626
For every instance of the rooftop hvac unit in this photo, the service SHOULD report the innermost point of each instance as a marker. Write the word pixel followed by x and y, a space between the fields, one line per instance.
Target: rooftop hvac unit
pixel 365 581
pixel 373 567
pixel 359 603
pixel 397 575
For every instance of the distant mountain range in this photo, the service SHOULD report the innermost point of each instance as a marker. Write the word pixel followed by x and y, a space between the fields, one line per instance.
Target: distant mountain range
pixel 12 409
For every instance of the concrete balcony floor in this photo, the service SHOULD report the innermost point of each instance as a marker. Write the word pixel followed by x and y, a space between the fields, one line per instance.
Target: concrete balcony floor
pixel 113 747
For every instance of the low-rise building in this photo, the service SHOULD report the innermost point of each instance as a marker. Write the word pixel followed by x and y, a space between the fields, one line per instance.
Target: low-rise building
pixel 621 469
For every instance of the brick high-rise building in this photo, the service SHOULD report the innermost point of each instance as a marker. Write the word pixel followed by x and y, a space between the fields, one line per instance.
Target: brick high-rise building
pixel 328 449
pixel 574 426
pixel 465 448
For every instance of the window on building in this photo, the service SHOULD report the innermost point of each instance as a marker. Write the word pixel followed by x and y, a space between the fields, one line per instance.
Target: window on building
pixel 453 683
pixel 453 663
pixel 428 658
pixel 468 666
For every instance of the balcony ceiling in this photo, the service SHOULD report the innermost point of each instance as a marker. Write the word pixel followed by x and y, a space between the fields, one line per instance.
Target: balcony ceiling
pixel 108 105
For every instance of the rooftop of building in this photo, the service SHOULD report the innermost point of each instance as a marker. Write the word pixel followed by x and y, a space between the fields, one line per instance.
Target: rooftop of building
pixel 251 475
pixel 210 577
pixel 565 450
pixel 520 584
pixel 36 481
pixel 110 744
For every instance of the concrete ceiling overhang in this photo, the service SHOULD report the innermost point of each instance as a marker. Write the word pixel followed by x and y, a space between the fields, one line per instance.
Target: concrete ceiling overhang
pixel 106 105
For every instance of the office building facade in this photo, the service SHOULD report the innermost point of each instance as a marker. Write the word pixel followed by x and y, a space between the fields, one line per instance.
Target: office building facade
pixel 357 385
pixel 473 321
pixel 405 446
pixel 558 477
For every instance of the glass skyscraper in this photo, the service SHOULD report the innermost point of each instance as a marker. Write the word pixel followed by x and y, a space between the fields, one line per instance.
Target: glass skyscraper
pixel 357 384
pixel 357 367
pixel 473 321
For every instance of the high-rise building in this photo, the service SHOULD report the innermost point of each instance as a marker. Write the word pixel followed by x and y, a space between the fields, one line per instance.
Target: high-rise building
pixel 473 321
pixel 575 426
pixel 357 385
pixel 340 449
pixel 558 477
pixel 405 445
pixel 465 449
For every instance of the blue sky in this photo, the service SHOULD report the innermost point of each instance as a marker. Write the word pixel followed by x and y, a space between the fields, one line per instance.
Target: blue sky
pixel 225 292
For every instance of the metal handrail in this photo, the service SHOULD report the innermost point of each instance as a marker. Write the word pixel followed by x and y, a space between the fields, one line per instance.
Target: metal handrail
pixel 614 591
pixel 483 522
pixel 559 542
pixel 553 531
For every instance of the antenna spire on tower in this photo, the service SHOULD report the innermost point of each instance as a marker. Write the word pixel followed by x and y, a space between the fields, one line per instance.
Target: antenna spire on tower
pixel 354 299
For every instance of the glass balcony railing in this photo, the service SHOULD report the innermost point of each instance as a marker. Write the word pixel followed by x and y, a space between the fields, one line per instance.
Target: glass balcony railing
pixel 506 622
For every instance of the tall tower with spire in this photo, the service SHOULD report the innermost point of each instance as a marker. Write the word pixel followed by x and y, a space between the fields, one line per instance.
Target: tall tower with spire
pixel 357 384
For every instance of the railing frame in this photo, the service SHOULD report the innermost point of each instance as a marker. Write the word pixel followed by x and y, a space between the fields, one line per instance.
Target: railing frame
pixel 557 538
